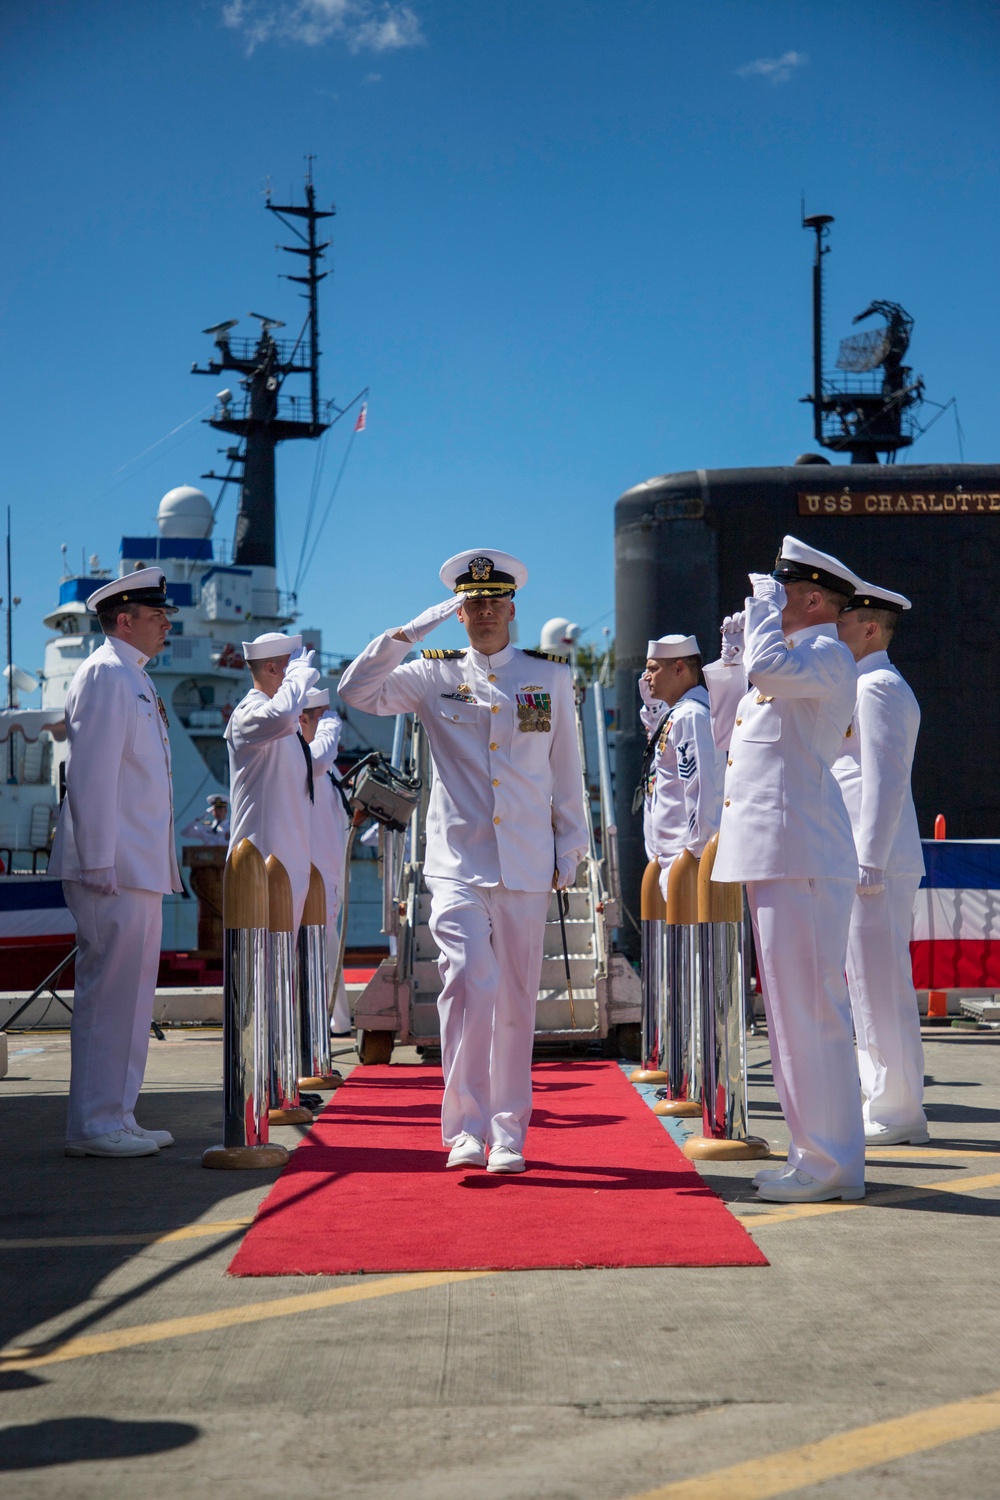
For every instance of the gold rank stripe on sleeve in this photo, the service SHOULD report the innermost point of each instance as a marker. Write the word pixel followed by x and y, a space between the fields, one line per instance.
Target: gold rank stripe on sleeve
pixel 441 655
pixel 549 656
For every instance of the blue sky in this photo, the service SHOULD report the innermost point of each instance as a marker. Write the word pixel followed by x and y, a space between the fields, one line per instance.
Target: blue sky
pixel 567 256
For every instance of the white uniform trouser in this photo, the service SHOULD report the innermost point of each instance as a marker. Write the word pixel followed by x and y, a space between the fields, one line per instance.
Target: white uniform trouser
pixel 340 1011
pixel 884 1002
pixel 491 941
pixel 119 943
pixel 800 930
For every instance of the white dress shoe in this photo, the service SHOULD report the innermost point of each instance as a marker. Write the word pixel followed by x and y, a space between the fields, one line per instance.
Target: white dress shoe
pixel 799 1187
pixel 113 1143
pixel 770 1174
pixel 161 1137
pixel 468 1151
pixel 505 1159
pixel 896 1135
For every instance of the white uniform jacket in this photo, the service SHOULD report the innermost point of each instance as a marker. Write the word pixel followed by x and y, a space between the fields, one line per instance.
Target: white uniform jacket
pixel 118 810
pixel 329 821
pixel 873 769
pixel 684 788
pixel 269 788
pixel 651 715
pixel 498 785
pixel 783 816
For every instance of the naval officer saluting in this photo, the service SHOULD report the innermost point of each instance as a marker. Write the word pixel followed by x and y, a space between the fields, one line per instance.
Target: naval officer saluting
pixel 502 733
pixel 330 827
pixel 114 849
pixel 785 832
pixel 873 770
pixel 270 765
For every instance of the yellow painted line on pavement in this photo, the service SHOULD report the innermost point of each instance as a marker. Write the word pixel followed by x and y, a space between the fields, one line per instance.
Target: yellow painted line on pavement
pixel 844 1453
pixel 787 1213
pixel 157 1237
pixel 31 1358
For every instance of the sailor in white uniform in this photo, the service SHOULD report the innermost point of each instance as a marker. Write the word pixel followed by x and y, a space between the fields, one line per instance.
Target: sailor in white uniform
pixel 785 832
pixel 212 828
pixel 683 769
pixel 873 770
pixel 506 824
pixel 330 827
pixel 270 765
pixel 114 849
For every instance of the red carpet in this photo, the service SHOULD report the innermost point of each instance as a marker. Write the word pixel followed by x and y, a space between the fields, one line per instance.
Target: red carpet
pixel 367 1189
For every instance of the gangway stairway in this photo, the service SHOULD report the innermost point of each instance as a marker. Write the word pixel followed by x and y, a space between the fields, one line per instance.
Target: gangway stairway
pixel 600 1001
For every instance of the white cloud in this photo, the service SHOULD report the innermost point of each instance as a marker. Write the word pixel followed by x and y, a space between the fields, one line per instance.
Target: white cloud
pixel 372 78
pixel 362 25
pixel 774 69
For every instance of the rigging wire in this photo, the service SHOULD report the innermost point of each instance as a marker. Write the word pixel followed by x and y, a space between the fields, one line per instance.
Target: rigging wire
pixel 114 474
pixel 304 567
pixel 320 460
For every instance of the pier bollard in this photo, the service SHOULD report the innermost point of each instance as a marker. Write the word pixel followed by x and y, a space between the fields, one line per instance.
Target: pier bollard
pixel 314 981
pixel 723 1023
pixel 652 912
pixel 282 1001
pixel 244 1019
pixel 681 999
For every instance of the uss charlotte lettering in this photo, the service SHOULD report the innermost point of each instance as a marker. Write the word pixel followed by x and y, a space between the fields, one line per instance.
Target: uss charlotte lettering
pixel 902 503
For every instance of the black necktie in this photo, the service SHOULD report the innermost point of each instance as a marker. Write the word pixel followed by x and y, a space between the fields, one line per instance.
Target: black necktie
pixel 649 755
pixel 309 764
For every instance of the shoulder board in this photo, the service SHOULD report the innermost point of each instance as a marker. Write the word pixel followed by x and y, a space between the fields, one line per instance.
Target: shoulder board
pixel 549 656
pixel 441 655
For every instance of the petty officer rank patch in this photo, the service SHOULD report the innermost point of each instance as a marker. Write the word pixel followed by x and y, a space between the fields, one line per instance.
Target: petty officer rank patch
pixel 534 710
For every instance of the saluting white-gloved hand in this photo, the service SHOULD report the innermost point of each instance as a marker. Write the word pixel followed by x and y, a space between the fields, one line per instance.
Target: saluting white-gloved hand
pixel 430 619
pixel 565 872
pixel 772 590
pixel 646 694
pixel 871 881
pixel 103 881
pixel 301 670
pixel 731 630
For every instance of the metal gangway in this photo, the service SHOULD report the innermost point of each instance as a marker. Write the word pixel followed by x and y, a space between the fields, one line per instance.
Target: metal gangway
pixel 587 993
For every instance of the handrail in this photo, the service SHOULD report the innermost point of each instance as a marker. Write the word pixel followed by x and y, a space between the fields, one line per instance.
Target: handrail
pixel 609 826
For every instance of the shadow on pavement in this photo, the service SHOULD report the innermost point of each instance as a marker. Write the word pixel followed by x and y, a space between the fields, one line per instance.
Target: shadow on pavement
pixel 67 1440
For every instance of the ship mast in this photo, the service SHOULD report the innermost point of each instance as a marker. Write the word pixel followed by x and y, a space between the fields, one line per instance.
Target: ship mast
pixel 264 417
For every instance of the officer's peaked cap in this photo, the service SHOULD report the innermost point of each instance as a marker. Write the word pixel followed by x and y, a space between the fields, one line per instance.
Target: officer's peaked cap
pixel 483 573
pixel 797 563
pixel 869 597
pixel 669 646
pixel 272 643
pixel 144 586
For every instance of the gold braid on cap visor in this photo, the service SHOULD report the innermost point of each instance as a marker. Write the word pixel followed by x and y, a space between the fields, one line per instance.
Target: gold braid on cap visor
pixel 485 590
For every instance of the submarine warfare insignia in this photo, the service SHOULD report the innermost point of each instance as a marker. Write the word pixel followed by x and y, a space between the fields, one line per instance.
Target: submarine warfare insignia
pixel 534 710
pixel 481 568
pixel 463 694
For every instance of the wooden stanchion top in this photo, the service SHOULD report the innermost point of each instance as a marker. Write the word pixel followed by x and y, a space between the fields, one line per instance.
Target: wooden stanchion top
pixel 718 901
pixel 651 907
pixel 279 896
pixel 314 911
pixel 244 889
pixel 682 890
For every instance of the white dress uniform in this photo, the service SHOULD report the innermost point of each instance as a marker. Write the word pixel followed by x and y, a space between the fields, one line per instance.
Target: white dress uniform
pixel 652 716
pixel 502 734
pixel 684 791
pixel 873 770
pixel 208 829
pixel 268 771
pixel 117 816
pixel 785 832
pixel 330 827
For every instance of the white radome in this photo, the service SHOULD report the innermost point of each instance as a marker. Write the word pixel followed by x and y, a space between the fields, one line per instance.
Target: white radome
pixel 558 635
pixel 185 511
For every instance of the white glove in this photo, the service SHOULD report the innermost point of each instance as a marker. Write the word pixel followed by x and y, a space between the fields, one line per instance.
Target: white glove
pixel 771 590
pixel 871 882
pixel 425 623
pixel 732 638
pixel 565 872
pixel 104 881
pixel 734 624
pixel 301 670
pixel 645 693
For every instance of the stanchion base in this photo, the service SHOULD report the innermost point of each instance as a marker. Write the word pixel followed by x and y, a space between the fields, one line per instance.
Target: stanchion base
pixel 297 1116
pixel 647 1075
pixel 232 1158
pixel 683 1108
pixel 329 1081
pixel 708 1148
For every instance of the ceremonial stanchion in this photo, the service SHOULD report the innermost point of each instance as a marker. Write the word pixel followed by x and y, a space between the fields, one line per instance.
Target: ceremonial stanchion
pixel 244 1020
pixel 314 977
pixel 282 1001
pixel 652 911
pixel 723 1022
pixel 680 1003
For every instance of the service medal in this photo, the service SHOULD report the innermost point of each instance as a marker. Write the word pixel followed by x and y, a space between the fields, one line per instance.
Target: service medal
pixel 534 712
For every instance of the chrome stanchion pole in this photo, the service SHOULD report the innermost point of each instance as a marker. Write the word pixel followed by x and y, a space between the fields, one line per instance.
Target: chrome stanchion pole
pixel 245 1059
pixel 314 984
pixel 652 912
pixel 681 1003
pixel 282 1000
pixel 725 1108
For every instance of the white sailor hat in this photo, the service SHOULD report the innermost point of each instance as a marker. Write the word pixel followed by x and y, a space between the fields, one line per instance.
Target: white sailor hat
pixel 483 573
pixel 797 563
pixel 215 797
pixel 869 597
pixel 318 698
pixel 669 646
pixel 144 586
pixel 273 643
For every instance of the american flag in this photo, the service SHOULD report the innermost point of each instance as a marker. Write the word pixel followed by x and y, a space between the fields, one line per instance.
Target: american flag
pixel 362 421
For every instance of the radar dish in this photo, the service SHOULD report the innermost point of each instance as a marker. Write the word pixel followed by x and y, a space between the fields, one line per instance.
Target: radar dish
pixel 266 322
pixel 222 327
pixel 864 351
